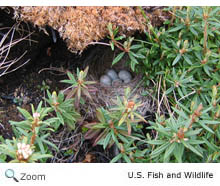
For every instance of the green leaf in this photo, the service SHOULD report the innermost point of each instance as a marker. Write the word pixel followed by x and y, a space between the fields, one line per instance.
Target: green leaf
pixel 67 81
pixel 156 142
pixel 187 59
pixel 122 119
pixel 118 58
pixel 60 117
pixel 163 131
pixel 193 149
pixel 7 151
pixel 180 91
pixel 21 124
pixel 184 108
pixel 127 92
pixel 14 161
pixel 180 113
pixel 193 132
pixel 112 46
pixel 71 76
pixel 136 47
pixel 109 26
pixel 106 140
pixel 98 126
pixel 25 113
pixel 195 142
pixel 169 90
pixel 40 144
pixel 193 31
pixel 2 158
pixel 132 57
pixel 207 69
pixel 51 144
pixel 116 158
pixel 178 152
pixel 119 38
pixel 159 150
pixel 49 94
pixel 176 59
pixel 140 117
pixel 85 72
pixel 39 107
pixel 37 156
pixel 214 11
pixel 126 158
pixel 210 122
pixel 44 111
pixel 137 55
pixel 114 137
pixel 23 132
pixel 71 124
pixel 175 29
pixel 69 116
pixel 123 139
pixel 206 127
pixel 169 151
pixel 210 145
pixel 100 115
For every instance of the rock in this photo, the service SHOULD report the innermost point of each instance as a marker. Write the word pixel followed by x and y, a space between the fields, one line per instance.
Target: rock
pixel 112 74
pixel 125 76
pixel 105 80
pixel 117 82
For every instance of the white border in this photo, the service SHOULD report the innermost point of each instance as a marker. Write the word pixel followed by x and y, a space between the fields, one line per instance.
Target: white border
pixel 109 174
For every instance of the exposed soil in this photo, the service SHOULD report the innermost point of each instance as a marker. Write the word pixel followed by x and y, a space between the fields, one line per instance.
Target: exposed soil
pixel 28 86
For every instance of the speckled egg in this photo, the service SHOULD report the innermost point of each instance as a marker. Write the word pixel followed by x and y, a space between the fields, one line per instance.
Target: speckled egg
pixel 125 76
pixel 112 74
pixel 105 80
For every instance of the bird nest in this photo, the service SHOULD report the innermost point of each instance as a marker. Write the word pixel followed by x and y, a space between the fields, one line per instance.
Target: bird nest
pixel 104 96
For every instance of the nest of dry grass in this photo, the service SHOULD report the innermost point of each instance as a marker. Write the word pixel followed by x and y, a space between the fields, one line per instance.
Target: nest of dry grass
pixel 103 96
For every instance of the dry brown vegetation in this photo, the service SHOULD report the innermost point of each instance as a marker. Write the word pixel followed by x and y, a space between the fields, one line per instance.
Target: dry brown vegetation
pixel 79 26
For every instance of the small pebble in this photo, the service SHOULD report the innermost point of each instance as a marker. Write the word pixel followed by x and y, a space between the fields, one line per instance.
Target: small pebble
pixel 105 80
pixel 112 74
pixel 125 76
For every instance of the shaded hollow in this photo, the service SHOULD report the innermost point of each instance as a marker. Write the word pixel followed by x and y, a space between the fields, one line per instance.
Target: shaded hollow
pixel 99 59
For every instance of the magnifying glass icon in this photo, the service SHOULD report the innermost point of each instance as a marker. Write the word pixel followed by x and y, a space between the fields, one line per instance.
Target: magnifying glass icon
pixel 9 173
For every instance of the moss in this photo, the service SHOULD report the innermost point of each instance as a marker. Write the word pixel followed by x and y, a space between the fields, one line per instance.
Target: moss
pixel 79 26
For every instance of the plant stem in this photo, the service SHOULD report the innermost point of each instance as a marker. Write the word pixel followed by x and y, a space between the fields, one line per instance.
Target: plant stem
pixel 173 16
pixel 205 17
pixel 187 21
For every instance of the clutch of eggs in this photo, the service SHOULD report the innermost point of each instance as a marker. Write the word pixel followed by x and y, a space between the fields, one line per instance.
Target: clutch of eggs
pixel 112 78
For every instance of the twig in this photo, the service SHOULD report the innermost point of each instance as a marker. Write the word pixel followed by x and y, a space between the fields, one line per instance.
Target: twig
pixel 100 43
pixel 158 96
pixel 166 103
pixel 7 48
pixel 158 109
pixel 193 92
pixel 53 69
pixel 174 95
pixel 2 126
